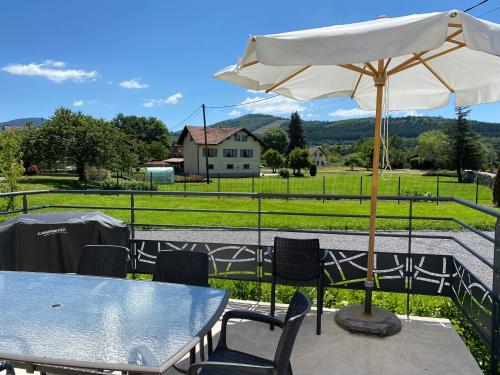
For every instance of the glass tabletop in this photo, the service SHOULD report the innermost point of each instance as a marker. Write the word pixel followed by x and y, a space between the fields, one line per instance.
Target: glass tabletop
pixel 95 322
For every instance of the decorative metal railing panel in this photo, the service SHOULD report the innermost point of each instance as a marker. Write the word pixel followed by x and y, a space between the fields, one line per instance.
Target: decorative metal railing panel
pixel 474 298
pixel 226 261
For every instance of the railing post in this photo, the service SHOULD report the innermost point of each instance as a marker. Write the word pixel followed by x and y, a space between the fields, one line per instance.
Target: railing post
pixel 151 181
pixel 399 188
pixel 324 188
pixel 360 189
pixel 477 189
pixel 218 185
pixel 185 182
pixel 287 186
pixel 25 204
pixel 409 265
pixel 132 226
pixel 253 184
pixel 259 247
pixel 437 190
pixel 495 333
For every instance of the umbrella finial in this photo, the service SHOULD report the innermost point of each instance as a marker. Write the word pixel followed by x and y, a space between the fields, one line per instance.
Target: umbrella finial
pixel 382 16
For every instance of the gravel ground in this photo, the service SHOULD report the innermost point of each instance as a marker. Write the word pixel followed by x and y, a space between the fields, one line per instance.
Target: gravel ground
pixel 350 242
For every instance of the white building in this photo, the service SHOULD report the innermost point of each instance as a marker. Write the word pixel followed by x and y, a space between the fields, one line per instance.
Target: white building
pixel 318 156
pixel 232 152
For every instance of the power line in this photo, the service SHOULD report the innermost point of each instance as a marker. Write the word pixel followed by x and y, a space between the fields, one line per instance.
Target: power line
pixel 187 118
pixel 475 6
pixel 488 12
pixel 242 104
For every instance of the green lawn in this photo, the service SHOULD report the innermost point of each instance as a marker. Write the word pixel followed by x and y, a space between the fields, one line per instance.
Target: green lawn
pixel 465 214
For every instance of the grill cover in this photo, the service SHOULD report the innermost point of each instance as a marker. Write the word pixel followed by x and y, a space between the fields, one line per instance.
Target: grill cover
pixel 52 242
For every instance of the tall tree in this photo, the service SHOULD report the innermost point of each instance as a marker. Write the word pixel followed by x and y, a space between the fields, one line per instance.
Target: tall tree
pixel 296 133
pixel 276 139
pixel 432 150
pixel 464 145
pixel 151 137
pixel 299 158
pixel 272 159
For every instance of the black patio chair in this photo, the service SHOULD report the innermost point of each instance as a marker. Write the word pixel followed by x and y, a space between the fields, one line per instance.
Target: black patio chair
pixel 103 260
pixel 298 263
pixel 7 366
pixel 189 268
pixel 225 361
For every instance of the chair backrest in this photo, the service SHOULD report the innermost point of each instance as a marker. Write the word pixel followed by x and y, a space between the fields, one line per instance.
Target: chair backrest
pixel 297 260
pixel 299 306
pixel 182 267
pixel 103 260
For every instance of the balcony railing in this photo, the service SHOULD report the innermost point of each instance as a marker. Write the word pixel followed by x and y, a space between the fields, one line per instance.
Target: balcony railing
pixel 403 272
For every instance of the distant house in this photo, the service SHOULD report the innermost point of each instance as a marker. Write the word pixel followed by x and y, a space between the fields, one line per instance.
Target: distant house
pixel 318 156
pixel 232 152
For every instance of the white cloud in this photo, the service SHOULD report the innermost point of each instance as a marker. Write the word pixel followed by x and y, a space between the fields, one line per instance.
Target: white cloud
pixel 279 105
pixel 172 99
pixel 81 103
pixel 52 70
pixel 134 83
pixel 235 113
pixel 356 112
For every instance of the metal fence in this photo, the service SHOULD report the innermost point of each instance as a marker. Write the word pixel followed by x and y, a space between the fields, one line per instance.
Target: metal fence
pixel 403 272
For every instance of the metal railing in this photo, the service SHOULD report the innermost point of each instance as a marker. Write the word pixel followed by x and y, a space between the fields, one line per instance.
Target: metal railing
pixel 482 310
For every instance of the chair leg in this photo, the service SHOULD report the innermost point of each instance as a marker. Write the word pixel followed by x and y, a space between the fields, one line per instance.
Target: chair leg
pixel 210 342
pixel 319 310
pixel 202 349
pixel 192 356
pixel 273 301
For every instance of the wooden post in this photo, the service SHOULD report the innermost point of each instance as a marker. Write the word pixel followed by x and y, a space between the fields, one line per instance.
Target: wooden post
pixel 379 84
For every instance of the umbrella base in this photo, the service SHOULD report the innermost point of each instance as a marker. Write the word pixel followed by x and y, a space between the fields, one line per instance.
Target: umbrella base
pixel 380 322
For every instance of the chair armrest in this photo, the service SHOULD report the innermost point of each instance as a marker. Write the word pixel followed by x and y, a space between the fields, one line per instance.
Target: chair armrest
pixel 323 255
pixel 247 315
pixel 230 366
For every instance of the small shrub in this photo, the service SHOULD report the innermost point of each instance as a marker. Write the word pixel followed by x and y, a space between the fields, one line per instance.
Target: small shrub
pixel 126 185
pixel 313 170
pixel 32 170
pixel 284 173
pixel 97 174
pixel 191 178
pixel 415 193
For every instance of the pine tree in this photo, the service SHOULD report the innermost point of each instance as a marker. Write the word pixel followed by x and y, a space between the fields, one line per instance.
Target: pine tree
pixel 296 133
pixel 464 145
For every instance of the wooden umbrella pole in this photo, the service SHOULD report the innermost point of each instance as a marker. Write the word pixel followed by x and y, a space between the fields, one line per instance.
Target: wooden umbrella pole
pixel 369 285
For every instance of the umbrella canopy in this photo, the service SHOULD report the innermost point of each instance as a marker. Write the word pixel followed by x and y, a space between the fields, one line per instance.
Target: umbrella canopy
pixel 432 55
pixel 419 59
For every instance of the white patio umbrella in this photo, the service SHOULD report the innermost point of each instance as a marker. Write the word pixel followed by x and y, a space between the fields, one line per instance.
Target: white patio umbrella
pixel 420 60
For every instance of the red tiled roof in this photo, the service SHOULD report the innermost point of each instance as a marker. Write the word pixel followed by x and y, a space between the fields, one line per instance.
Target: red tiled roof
pixel 215 135
pixel 175 160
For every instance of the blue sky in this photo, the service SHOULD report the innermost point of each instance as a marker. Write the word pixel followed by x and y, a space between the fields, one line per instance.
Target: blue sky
pixel 157 57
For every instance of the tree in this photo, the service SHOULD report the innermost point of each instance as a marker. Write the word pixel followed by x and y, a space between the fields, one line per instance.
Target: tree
pixel 299 158
pixel 151 137
pixel 296 133
pixel 432 150
pixel 276 139
pixel 464 145
pixel 73 138
pixel 11 165
pixel 353 160
pixel 496 189
pixel 272 159
pixel 365 152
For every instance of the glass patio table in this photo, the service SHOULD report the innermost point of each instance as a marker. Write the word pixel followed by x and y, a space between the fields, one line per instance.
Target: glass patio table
pixel 66 323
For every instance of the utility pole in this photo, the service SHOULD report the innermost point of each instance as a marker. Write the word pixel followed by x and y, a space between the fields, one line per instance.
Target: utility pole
pixel 206 142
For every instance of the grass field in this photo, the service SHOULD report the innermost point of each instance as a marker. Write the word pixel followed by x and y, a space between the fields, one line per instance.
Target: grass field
pixel 465 214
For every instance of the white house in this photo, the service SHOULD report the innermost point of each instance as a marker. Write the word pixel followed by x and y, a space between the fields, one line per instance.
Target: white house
pixel 318 156
pixel 232 152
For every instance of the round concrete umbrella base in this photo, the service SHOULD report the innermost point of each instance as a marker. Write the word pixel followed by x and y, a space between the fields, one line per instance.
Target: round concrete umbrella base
pixel 380 322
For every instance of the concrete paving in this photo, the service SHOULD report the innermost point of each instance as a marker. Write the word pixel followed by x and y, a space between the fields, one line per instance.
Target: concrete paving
pixel 424 346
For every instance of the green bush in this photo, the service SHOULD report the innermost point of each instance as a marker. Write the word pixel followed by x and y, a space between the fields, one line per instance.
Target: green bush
pixel 97 174
pixel 126 185
pixel 284 173
pixel 313 170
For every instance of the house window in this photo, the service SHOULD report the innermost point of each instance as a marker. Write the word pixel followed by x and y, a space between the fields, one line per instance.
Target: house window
pixel 240 138
pixel 212 152
pixel 246 166
pixel 246 153
pixel 315 155
pixel 230 166
pixel 230 153
pixel 210 166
